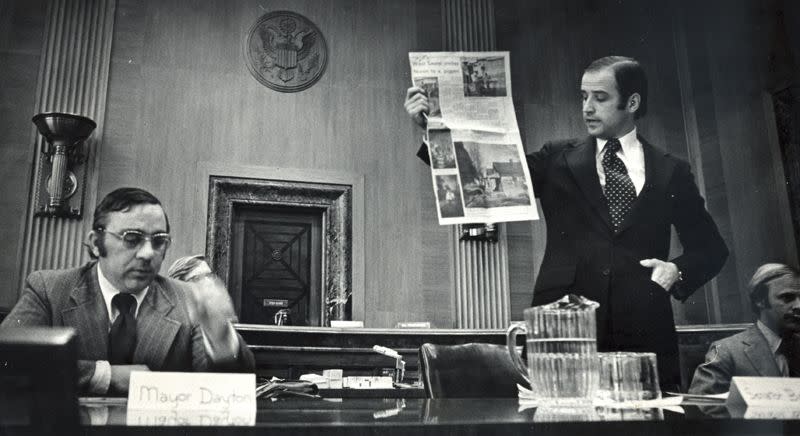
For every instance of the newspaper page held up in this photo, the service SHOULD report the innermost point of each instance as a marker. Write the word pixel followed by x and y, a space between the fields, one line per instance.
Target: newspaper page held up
pixel 478 164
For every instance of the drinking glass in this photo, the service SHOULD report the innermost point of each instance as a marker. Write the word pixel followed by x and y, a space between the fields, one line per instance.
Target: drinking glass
pixel 628 376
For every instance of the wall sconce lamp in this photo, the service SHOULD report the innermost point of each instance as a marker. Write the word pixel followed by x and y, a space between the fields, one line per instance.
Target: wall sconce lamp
pixel 478 232
pixel 62 167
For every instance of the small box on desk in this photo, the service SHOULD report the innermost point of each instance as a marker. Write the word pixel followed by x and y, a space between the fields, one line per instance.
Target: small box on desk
pixel 369 382
pixel 334 376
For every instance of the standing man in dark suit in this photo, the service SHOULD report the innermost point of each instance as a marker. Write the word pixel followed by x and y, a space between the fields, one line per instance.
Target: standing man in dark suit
pixel 128 317
pixel 770 348
pixel 610 200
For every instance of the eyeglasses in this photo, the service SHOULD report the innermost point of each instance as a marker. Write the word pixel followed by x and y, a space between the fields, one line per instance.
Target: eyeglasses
pixel 134 239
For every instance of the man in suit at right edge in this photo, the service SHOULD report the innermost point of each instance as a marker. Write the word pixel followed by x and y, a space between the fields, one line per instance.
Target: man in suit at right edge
pixel 767 349
pixel 610 200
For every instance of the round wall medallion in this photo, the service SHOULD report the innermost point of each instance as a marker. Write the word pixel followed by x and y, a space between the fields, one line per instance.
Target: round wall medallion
pixel 285 51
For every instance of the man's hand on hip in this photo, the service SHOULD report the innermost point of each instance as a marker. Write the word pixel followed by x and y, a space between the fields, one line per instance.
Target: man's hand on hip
pixel 664 273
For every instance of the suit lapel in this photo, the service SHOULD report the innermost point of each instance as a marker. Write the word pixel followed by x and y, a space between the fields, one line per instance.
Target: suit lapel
pixel 758 353
pixel 583 164
pixel 156 331
pixel 657 172
pixel 87 313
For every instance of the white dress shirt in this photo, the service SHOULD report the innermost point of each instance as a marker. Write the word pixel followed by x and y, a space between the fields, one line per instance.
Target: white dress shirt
pixel 631 155
pixel 101 379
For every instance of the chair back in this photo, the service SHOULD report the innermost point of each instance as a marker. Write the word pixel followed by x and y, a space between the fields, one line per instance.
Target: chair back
pixel 468 371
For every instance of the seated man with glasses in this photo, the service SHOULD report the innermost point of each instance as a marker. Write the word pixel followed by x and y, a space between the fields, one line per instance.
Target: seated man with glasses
pixel 126 315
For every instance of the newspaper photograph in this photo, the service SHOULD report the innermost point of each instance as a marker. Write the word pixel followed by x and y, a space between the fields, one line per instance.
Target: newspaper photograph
pixel 478 164
pixel 466 90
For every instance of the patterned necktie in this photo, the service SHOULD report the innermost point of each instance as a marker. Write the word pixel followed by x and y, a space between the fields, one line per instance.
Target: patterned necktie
pixel 122 337
pixel 619 191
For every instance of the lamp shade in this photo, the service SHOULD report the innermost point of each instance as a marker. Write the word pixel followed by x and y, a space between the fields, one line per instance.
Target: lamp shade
pixel 63 129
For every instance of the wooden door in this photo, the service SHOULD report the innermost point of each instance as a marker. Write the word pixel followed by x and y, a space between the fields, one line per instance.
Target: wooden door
pixel 276 264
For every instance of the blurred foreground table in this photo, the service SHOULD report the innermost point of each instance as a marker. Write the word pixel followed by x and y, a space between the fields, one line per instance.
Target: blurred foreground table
pixel 385 417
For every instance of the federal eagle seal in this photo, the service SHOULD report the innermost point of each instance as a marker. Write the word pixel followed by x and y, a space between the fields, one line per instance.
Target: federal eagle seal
pixel 285 51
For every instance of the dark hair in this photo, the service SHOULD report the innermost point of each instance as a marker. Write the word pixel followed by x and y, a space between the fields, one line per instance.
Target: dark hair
pixel 120 199
pixel 630 77
pixel 759 284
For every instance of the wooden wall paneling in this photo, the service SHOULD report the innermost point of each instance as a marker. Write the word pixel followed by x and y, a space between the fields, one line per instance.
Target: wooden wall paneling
pixel 72 78
pixel 703 307
pixel 734 46
pixel 22 26
pixel 783 76
pixel 180 93
pixel 786 222
pixel 434 240
pixel 481 277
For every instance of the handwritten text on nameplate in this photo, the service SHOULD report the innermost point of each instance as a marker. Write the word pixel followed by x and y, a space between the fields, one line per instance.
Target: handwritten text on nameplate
pixel 192 391
pixel 765 391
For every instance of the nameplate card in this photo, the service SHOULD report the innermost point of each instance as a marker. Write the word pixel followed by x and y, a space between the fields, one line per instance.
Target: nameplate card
pixel 230 394
pixel 185 418
pixel 760 392
pixel 756 412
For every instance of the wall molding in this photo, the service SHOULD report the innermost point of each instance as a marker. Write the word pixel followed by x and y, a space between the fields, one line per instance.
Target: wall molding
pixel 205 170
pixel 73 78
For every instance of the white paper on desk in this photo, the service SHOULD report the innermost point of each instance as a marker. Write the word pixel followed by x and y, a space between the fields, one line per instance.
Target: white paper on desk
pixel 321 381
pixel 232 394
pixel 528 399
pixel 698 397
pixel 667 402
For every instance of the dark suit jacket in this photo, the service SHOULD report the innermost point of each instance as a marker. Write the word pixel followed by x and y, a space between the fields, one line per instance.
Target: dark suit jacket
pixel 585 256
pixel 743 354
pixel 166 340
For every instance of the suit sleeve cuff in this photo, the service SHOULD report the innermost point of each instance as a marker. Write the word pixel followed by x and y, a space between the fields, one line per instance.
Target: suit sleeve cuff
pixel 101 379
pixel 678 292
pixel 225 350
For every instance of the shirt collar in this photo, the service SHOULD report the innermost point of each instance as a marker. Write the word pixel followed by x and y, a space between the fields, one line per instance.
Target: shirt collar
pixel 773 340
pixel 628 141
pixel 109 291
